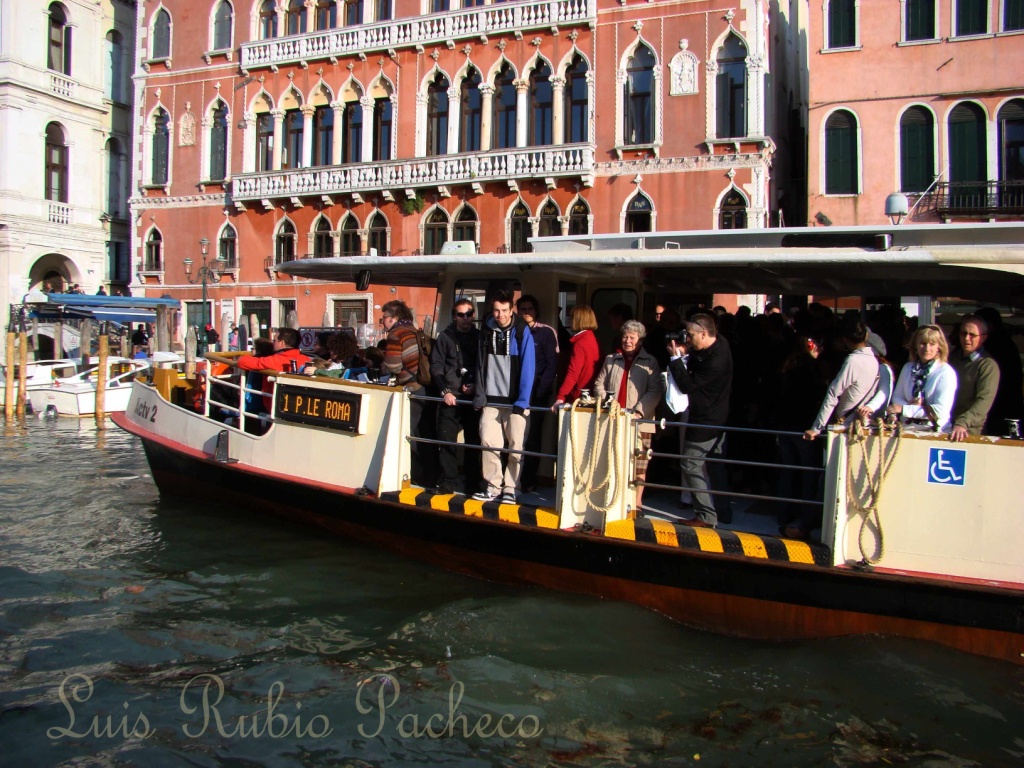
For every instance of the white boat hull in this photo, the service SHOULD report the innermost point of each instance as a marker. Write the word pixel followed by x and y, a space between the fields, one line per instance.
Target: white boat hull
pixel 79 400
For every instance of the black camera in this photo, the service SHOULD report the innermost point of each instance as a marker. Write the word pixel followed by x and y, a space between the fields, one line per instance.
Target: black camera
pixel 676 336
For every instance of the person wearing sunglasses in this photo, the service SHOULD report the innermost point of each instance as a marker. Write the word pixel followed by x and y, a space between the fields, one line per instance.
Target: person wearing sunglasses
pixel 453 369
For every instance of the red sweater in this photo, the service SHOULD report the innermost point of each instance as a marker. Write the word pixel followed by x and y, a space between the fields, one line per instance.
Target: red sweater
pixel 584 365
pixel 279 361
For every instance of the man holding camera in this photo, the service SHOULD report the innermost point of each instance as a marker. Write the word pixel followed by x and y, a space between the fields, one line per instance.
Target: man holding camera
pixel 453 368
pixel 701 364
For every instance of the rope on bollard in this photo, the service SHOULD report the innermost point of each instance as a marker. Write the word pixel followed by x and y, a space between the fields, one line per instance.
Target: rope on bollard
pixel 868 504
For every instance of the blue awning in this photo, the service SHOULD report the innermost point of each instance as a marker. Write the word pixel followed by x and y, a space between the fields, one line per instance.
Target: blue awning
pixel 123 316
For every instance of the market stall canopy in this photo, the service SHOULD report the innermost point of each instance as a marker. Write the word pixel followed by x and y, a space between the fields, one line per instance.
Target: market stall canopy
pixel 115 309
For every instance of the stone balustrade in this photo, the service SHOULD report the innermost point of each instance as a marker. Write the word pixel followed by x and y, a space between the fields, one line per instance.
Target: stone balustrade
pixel 550 162
pixel 418 30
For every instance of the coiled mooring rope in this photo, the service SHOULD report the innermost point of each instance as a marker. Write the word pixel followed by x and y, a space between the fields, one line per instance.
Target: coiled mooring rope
pixel 867 504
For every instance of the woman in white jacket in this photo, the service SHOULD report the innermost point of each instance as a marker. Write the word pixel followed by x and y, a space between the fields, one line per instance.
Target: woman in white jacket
pixel 926 389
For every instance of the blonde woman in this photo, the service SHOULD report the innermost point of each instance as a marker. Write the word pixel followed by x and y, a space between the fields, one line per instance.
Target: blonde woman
pixel 926 389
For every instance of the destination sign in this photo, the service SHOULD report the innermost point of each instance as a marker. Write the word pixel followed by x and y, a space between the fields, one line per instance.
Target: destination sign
pixel 319 407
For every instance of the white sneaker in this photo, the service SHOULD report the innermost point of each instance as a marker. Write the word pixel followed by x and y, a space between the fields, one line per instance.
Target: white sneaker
pixel 508 498
pixel 485 496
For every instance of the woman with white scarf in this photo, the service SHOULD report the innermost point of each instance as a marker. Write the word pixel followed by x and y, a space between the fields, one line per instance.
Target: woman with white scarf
pixel 926 389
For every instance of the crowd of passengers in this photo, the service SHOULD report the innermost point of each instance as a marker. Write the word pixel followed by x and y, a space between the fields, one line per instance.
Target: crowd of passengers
pixel 497 378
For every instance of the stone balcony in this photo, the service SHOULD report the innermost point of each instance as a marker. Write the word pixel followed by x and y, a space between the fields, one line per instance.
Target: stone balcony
pixel 359 180
pixel 437 28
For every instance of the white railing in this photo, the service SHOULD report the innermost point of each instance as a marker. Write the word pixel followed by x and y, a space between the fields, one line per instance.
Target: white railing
pixel 575 160
pixel 418 30
pixel 58 213
pixel 62 86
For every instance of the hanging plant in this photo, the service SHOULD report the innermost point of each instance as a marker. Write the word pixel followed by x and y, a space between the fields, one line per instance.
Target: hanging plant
pixel 413 205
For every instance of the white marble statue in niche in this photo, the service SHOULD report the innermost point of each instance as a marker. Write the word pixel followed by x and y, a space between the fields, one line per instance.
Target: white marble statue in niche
pixel 684 71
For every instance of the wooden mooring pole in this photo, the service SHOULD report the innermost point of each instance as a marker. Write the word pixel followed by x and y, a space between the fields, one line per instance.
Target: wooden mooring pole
pixel 23 373
pixel 101 383
pixel 9 378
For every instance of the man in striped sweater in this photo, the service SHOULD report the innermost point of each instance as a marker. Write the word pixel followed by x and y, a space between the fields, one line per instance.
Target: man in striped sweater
pixel 401 360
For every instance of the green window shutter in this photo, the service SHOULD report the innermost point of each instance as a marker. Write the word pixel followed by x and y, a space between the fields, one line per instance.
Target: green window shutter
pixel 842 24
pixel 920 23
pixel 917 150
pixel 971 17
pixel 968 159
pixel 1013 15
pixel 841 154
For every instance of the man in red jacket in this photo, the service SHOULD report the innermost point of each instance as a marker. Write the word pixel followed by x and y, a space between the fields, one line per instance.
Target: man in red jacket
pixel 286 352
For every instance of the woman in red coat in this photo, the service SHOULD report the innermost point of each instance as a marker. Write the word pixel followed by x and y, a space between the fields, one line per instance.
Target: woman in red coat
pixel 585 358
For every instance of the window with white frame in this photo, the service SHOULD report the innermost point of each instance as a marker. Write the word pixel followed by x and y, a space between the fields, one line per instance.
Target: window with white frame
pixel 731 89
pixel 58 51
pixel 841 161
pixel 841 24
pixel 161 35
pixel 917 149
pixel 161 147
pixel 223 18
pixel 919 20
pixel 219 142
pixel 638 97
pixel 970 17
pixel 227 247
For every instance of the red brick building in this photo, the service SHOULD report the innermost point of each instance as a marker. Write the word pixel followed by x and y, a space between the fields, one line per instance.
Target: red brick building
pixel 920 97
pixel 283 130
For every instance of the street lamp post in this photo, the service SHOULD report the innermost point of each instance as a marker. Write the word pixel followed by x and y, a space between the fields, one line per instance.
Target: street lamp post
pixel 205 274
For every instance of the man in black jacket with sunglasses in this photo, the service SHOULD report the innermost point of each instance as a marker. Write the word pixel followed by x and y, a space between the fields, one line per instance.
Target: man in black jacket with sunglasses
pixel 452 369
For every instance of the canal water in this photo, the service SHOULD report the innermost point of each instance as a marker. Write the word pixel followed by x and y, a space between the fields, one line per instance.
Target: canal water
pixel 147 632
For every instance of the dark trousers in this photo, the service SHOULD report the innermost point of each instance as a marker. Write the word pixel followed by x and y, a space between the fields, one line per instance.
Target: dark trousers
pixel 528 480
pixel 450 419
pixel 798 483
pixel 424 455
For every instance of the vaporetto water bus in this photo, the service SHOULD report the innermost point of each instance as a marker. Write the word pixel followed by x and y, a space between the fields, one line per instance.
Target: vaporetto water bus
pixel 920 537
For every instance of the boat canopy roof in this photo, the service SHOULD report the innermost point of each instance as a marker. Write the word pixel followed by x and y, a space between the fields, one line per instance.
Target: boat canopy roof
pixel 982 260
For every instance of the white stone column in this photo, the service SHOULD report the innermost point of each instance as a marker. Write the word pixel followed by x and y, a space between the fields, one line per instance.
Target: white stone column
pixel 307 135
pixel 557 110
pixel 249 143
pixel 522 102
pixel 454 113
pixel 486 116
pixel 205 150
pixel 278 115
pixel 367 138
pixel 339 110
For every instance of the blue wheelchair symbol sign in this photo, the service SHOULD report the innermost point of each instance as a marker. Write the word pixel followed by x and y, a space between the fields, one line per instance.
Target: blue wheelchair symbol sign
pixel 947 466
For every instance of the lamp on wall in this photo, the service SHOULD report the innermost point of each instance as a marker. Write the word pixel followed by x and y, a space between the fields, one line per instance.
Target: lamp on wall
pixel 897 207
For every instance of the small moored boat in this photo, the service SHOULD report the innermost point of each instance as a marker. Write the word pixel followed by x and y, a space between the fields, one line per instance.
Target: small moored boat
pixel 75 395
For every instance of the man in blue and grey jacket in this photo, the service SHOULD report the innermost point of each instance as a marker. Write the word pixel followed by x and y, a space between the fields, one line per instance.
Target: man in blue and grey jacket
pixel 505 371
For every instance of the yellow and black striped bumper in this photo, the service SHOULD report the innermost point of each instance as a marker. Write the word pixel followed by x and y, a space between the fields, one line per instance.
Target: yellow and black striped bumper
pixel 522 514
pixel 644 530
pixel 654 531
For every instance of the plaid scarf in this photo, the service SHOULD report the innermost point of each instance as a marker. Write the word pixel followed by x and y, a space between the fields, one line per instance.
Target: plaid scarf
pixel 919 375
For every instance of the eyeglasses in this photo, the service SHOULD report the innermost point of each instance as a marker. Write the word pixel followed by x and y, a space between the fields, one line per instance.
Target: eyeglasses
pixel 465 314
